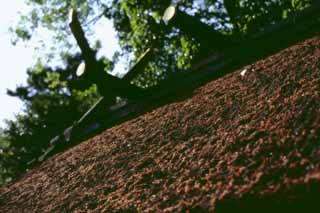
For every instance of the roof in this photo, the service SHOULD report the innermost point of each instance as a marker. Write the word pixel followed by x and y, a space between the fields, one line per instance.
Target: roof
pixel 248 140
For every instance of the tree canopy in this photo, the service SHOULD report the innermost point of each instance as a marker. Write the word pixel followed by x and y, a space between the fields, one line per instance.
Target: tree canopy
pixel 137 25
pixel 54 99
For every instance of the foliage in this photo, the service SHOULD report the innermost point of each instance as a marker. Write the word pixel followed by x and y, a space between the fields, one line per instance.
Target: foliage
pixel 250 16
pixel 5 155
pixel 52 102
pixel 137 25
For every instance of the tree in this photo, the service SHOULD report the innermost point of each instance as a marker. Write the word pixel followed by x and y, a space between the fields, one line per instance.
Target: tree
pixel 5 155
pixel 52 101
pixel 250 16
pixel 137 25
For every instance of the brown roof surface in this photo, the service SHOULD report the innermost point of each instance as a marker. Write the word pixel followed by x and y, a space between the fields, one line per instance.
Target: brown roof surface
pixel 238 143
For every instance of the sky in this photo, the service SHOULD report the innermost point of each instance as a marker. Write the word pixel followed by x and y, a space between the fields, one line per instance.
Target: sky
pixel 16 59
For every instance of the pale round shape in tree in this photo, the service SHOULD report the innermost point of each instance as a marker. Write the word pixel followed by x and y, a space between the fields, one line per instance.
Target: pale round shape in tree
pixel 169 13
pixel 81 69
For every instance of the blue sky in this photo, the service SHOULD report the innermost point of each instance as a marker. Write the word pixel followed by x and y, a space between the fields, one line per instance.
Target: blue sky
pixel 16 59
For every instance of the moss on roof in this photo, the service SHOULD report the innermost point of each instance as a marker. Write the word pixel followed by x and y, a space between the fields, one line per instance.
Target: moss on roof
pixel 247 141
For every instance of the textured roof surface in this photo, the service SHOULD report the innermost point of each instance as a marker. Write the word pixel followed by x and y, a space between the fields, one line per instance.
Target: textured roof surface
pixel 249 140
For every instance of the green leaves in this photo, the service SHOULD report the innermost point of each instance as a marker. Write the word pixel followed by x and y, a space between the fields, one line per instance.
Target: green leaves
pixel 138 26
pixel 52 103
pixel 300 4
pixel 21 33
